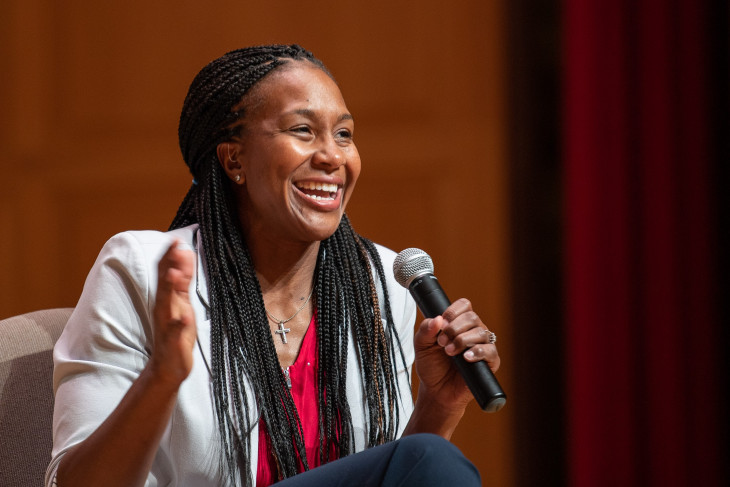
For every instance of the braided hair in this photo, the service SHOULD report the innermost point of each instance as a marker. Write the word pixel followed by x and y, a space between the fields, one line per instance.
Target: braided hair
pixel 242 350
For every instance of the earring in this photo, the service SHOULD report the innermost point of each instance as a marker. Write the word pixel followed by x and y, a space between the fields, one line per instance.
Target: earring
pixel 237 178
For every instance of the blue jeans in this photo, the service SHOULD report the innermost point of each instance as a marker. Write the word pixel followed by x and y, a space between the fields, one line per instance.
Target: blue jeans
pixel 422 460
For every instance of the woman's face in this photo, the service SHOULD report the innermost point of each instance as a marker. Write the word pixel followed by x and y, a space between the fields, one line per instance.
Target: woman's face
pixel 298 161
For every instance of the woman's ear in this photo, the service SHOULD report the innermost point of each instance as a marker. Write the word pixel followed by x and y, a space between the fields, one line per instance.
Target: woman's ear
pixel 228 154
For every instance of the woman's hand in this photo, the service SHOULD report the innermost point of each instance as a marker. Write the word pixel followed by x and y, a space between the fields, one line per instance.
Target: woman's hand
pixel 174 327
pixel 443 395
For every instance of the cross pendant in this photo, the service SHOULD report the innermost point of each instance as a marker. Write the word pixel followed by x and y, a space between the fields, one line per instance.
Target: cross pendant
pixel 282 331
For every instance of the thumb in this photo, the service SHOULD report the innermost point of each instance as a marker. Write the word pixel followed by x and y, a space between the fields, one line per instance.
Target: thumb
pixel 428 332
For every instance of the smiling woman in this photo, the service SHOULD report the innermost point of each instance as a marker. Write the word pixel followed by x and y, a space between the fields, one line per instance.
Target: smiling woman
pixel 261 336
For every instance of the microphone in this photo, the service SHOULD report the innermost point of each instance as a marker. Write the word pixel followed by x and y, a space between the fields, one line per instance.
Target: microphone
pixel 413 269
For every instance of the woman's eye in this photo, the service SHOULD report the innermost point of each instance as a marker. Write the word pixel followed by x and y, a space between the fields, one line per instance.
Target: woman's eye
pixel 301 129
pixel 344 134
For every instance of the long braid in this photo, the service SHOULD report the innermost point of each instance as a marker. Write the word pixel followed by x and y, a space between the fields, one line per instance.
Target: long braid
pixel 243 355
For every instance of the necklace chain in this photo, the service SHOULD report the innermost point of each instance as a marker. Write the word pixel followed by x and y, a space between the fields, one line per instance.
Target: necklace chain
pixel 277 320
pixel 283 331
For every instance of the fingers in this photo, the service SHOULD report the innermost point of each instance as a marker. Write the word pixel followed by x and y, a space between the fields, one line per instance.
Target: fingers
pixel 487 353
pixel 176 268
pixel 175 271
pixel 462 331
pixel 175 328
pixel 457 308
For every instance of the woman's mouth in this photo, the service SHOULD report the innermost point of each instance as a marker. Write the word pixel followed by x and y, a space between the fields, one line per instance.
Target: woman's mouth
pixel 318 191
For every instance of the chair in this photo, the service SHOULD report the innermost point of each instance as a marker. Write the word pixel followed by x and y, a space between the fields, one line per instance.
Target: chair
pixel 26 394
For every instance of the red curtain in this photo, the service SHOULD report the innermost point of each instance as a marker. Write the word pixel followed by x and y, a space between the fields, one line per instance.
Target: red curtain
pixel 642 351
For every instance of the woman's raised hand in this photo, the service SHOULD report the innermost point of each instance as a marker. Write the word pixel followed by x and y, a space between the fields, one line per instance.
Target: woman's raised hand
pixel 174 326
pixel 121 450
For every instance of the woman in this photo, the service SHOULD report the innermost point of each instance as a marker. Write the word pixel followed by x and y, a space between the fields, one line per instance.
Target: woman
pixel 260 337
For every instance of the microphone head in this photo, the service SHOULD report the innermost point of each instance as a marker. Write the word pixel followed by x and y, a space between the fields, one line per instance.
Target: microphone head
pixel 410 264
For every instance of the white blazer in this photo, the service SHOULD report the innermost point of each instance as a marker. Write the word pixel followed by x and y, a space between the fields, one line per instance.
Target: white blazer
pixel 108 340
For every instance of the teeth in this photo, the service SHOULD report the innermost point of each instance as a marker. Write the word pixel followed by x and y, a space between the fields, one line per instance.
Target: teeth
pixel 319 198
pixel 330 188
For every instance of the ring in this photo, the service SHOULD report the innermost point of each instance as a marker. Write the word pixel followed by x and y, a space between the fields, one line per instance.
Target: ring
pixel 492 338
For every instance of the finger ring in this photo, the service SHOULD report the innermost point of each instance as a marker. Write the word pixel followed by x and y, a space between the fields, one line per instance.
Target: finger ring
pixel 492 338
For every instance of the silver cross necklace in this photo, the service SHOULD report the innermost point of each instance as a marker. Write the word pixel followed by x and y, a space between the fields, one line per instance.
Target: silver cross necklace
pixel 283 331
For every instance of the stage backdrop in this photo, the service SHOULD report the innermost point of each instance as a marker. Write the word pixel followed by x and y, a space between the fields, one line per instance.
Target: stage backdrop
pixel 644 345
pixel 91 92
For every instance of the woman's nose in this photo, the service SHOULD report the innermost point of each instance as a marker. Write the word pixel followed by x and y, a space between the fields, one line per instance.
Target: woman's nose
pixel 329 155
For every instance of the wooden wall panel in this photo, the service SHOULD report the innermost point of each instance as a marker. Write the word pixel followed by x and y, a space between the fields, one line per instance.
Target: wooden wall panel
pixel 90 101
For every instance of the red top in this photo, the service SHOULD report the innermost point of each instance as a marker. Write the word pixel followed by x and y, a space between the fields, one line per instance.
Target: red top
pixel 303 375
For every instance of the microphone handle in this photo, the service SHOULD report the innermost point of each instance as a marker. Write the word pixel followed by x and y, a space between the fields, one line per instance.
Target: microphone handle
pixel 432 301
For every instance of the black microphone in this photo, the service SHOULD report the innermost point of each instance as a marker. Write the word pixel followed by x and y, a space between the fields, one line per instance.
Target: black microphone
pixel 413 269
